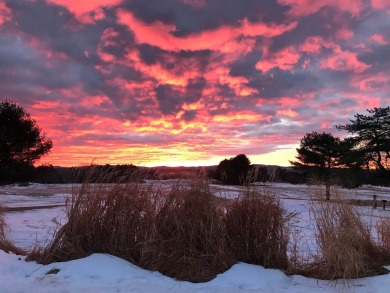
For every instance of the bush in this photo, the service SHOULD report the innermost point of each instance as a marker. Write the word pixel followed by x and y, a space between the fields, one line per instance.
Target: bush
pixel 233 171
pixel 115 218
pixel 190 239
pixel 346 249
pixel 257 230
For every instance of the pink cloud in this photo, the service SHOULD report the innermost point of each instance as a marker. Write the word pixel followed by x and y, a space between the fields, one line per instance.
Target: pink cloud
pixel 221 75
pixel 372 83
pixel 312 45
pixel 380 39
pixel 160 34
pixel 284 60
pixel 287 113
pixel 343 60
pixel 344 34
pixel 194 3
pixel 82 8
pixel 5 13
pixel 381 4
pixel 306 7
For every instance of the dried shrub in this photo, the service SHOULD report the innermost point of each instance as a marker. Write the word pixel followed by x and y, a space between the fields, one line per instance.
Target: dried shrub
pixel 383 230
pixel 190 240
pixel 257 228
pixel 346 249
pixel 115 218
pixel 6 244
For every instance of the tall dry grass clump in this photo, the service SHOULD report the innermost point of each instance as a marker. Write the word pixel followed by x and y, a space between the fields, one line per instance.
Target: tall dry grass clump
pixel 2 223
pixel 6 244
pixel 115 218
pixel 190 240
pixel 383 231
pixel 346 249
pixel 257 229
pixel 3 238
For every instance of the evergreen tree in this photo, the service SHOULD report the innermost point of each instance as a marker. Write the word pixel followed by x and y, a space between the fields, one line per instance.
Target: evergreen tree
pixel 371 143
pixel 321 151
pixel 233 171
pixel 21 141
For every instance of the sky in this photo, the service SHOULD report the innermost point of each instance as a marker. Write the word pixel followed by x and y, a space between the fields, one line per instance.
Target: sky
pixel 191 82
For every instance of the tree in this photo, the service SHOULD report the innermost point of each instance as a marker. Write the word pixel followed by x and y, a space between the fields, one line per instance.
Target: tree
pixel 21 141
pixel 233 171
pixel 371 143
pixel 321 151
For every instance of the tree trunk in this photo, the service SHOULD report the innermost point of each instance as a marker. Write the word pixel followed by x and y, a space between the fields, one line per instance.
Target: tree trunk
pixel 379 162
pixel 327 187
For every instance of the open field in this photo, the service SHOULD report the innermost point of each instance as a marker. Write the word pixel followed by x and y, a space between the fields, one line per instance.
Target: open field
pixel 33 212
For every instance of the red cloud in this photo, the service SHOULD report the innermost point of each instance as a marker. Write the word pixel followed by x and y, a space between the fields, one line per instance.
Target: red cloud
pixel 306 7
pixel 284 60
pixel 160 34
pixel 5 13
pixel 343 60
pixel 82 8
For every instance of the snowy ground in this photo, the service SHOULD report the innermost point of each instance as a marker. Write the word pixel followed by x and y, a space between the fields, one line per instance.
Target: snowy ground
pixel 34 212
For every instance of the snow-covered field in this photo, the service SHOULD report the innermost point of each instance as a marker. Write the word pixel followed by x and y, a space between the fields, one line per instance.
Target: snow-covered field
pixel 35 211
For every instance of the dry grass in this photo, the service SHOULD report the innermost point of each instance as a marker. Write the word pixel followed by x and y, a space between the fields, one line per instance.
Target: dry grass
pixel 346 249
pixel 257 230
pixel 186 233
pixel 115 218
pixel 383 230
pixel 6 244
pixel 190 238
pixel 2 224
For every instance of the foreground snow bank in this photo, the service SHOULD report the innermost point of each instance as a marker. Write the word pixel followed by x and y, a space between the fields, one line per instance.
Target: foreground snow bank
pixel 105 273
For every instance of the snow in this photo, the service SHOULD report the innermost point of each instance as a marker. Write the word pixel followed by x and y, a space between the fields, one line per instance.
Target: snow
pixel 36 211
pixel 106 273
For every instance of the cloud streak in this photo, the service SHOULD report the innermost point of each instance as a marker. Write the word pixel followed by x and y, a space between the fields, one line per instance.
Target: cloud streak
pixel 190 82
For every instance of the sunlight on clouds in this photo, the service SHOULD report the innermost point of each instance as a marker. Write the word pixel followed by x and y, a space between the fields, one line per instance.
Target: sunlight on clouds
pixel 249 117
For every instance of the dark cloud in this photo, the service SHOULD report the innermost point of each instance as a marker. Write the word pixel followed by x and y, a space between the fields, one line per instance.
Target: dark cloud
pixel 168 99
pixel 149 54
pixel 281 83
pixel 189 115
pixel 188 19
pixel 312 25
pixel 377 57
pixel 194 90
pixel 245 66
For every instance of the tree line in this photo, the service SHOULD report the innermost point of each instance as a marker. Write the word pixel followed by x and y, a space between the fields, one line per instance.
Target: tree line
pixel 356 157
pixel 325 156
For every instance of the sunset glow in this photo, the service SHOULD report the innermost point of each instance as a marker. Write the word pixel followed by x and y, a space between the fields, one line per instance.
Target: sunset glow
pixel 191 82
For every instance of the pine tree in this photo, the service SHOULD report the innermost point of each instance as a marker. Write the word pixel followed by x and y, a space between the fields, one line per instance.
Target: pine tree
pixel 21 141
pixel 321 151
